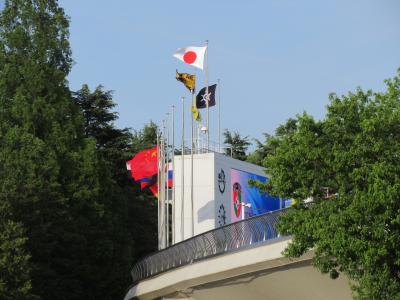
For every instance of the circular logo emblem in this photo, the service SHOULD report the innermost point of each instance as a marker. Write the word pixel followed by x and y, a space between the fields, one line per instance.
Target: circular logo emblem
pixel 221 215
pixel 221 181
pixel 237 198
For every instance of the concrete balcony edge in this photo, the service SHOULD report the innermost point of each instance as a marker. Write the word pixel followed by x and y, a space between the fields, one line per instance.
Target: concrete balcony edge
pixel 258 257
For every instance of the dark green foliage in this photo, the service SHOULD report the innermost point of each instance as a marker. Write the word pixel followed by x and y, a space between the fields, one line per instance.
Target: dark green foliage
pixel 144 221
pixel 72 221
pixel 237 145
pixel 114 144
pixel 349 163
pixel 266 149
pixel 145 138
pixel 262 150
pixel 15 268
pixel 128 229
pixel 45 163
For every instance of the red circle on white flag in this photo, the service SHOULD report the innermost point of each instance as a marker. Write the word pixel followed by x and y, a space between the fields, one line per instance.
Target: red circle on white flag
pixel 189 57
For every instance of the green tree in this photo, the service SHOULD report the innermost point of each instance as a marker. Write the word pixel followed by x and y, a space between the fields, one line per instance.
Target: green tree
pixel 128 228
pixel 145 138
pixel 237 144
pixel 265 149
pixel 144 224
pixel 112 143
pixel 49 176
pixel 15 266
pixel 72 221
pixel 349 163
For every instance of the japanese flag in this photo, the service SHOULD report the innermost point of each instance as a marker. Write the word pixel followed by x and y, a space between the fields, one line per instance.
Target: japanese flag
pixel 192 55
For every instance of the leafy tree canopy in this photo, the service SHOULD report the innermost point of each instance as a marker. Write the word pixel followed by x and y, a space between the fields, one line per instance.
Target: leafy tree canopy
pixel 71 221
pixel 145 138
pixel 349 163
pixel 237 144
pixel 15 267
pixel 46 167
pixel 128 229
pixel 267 148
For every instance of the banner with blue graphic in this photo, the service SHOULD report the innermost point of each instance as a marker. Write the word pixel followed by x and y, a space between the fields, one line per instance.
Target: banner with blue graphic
pixel 247 201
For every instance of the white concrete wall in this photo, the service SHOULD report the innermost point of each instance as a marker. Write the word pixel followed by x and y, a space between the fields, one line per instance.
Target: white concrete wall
pixel 203 194
pixel 210 204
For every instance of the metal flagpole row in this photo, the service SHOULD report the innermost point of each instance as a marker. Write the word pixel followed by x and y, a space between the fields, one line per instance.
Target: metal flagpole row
pixel 195 135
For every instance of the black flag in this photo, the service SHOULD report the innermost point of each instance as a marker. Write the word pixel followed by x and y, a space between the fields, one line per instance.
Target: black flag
pixel 202 97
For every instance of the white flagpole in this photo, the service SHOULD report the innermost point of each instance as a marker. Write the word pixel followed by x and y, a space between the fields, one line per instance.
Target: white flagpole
pixel 158 189
pixel 163 188
pixel 173 174
pixel 208 111
pixel 219 114
pixel 198 138
pixel 195 135
pixel 167 180
pixel 163 184
pixel 191 168
pixel 183 172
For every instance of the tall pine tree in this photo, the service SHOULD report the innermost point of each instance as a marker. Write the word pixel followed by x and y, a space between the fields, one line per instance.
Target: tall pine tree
pixel 49 171
pixel 129 223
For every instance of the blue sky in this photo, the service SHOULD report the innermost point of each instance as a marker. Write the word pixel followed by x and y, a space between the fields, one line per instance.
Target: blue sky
pixel 274 58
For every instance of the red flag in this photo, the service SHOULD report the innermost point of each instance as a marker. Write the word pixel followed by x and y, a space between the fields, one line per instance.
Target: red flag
pixel 143 167
pixel 143 164
pixel 154 189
